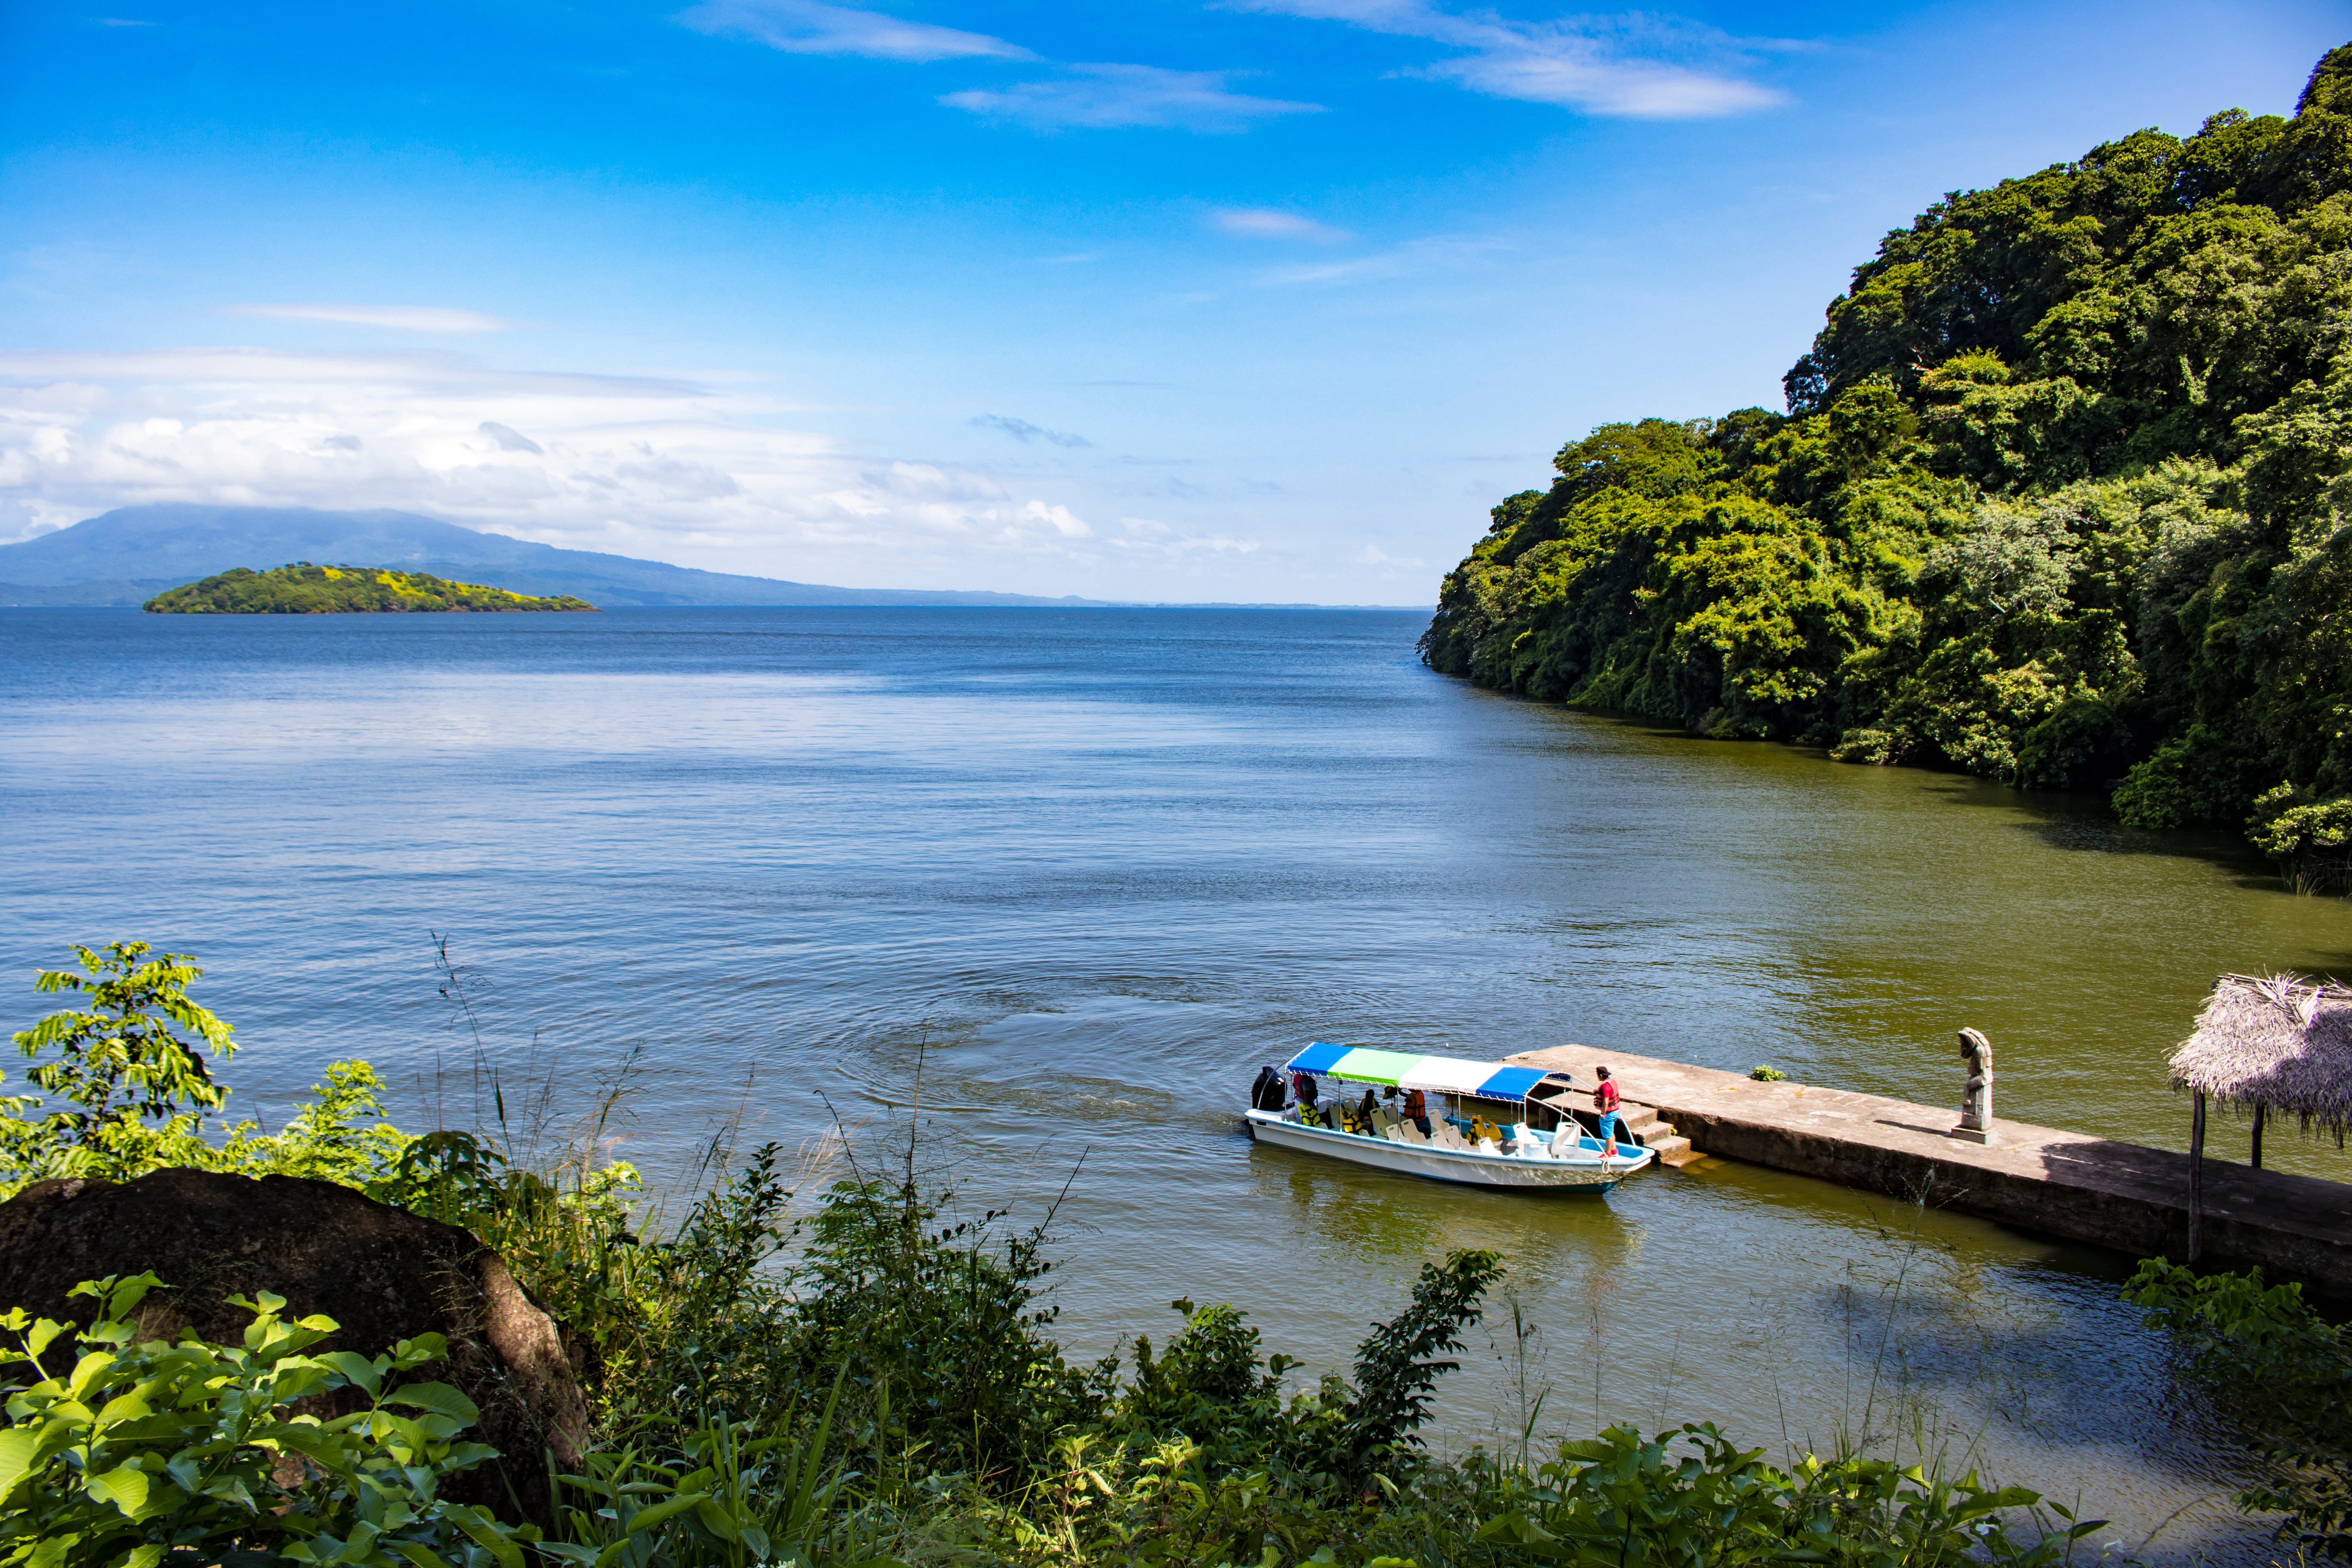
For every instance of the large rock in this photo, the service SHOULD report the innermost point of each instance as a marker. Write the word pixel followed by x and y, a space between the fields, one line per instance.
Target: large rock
pixel 381 1273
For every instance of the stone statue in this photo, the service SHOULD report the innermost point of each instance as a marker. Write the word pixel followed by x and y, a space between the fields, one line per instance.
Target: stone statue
pixel 1976 1100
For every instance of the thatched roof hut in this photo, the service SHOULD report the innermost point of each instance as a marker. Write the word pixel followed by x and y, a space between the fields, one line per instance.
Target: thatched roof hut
pixel 2277 1043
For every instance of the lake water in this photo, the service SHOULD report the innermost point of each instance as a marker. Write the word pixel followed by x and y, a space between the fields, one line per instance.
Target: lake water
pixel 1090 868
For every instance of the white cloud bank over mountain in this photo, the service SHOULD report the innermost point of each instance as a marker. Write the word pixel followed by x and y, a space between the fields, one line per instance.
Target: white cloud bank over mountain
pixel 647 465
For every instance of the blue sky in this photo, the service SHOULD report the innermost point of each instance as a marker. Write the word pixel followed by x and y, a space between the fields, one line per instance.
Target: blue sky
pixel 1264 299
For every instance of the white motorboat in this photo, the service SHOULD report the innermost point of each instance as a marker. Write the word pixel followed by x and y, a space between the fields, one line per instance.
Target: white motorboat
pixel 1490 1125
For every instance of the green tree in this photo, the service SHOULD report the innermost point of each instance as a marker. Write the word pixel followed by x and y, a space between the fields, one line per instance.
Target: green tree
pixel 126 1071
pixel 2063 498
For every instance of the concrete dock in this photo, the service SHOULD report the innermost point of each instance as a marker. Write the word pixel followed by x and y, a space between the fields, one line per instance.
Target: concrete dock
pixel 2132 1199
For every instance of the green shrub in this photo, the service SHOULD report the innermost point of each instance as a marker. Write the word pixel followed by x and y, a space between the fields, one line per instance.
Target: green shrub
pixel 138 1454
pixel 129 1089
pixel 2281 1377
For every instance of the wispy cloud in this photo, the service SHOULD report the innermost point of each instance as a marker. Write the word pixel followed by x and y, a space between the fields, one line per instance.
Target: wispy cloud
pixel 811 27
pixel 1636 65
pixel 1024 432
pixel 1267 223
pixel 1101 96
pixel 1149 537
pixel 403 318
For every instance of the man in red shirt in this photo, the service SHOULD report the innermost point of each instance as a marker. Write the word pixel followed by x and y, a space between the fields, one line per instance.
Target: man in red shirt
pixel 1605 1102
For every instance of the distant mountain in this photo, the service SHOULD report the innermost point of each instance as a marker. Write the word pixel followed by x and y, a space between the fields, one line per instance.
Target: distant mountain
pixel 133 554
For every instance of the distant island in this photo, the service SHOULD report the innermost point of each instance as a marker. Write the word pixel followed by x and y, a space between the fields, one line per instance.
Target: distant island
pixel 303 589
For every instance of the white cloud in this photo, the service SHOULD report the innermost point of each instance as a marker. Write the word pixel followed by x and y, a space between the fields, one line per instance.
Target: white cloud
pixel 1270 224
pixel 811 28
pixel 404 318
pixel 1147 537
pixel 1636 65
pixel 1102 96
pixel 648 466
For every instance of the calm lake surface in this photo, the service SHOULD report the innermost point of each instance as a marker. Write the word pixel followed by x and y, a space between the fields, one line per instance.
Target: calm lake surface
pixel 1090 868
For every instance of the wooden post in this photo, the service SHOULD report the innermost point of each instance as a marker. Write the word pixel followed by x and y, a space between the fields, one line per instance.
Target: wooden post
pixel 2197 1182
pixel 2258 1111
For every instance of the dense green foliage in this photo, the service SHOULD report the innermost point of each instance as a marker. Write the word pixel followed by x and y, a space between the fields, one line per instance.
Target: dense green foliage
pixel 2281 1376
pixel 303 589
pixel 121 1451
pixel 2061 498
pixel 876 1386
pixel 130 1088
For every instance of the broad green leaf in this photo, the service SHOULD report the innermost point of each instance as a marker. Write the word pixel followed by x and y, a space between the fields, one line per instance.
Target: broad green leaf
pixel 123 1486
pixel 123 1408
pixel 20 1447
pixel 356 1369
pixel 86 1373
pixel 437 1397
pixel 663 1513
pixel 485 1530
pixel 715 1520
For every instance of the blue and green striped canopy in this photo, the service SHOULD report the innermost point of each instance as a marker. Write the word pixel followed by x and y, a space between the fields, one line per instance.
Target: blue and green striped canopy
pixel 1398 1070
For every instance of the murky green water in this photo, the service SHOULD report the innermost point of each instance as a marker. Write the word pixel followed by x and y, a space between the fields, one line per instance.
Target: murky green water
pixel 1093 868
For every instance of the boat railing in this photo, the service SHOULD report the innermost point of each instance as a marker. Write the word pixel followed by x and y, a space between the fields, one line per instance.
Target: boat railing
pixel 1461 1134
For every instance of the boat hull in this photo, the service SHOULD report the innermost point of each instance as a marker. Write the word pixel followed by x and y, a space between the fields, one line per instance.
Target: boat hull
pixel 1469 1169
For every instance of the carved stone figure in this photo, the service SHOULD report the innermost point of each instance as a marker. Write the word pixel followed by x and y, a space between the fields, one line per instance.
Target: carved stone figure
pixel 1976 1100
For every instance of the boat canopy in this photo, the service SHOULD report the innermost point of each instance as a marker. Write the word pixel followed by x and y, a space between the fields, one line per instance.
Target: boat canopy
pixel 1400 1069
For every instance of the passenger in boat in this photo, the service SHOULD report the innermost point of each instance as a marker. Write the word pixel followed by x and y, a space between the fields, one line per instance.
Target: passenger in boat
pixel 1367 1113
pixel 1417 1111
pixel 1605 1100
pixel 1303 1085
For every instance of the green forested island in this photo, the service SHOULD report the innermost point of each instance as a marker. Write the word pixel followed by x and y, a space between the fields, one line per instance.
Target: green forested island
pixel 303 589
pixel 2060 498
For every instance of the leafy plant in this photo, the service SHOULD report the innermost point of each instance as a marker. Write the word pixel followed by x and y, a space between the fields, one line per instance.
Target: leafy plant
pixel 134 1453
pixel 1693 1498
pixel 2283 1379
pixel 133 1086
pixel 1397 1368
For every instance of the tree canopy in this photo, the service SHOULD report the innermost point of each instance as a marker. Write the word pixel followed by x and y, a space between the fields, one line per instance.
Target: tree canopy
pixel 2060 498
pixel 302 589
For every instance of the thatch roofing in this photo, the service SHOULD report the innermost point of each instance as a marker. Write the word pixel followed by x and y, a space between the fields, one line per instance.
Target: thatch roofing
pixel 2282 1042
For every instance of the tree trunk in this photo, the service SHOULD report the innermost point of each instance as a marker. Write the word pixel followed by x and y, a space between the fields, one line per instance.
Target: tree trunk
pixel 2260 1111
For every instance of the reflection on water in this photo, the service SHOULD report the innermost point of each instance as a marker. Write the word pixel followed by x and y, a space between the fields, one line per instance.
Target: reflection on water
pixel 1089 869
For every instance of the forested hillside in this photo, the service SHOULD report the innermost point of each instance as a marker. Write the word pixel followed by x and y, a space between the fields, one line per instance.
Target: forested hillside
pixel 2062 497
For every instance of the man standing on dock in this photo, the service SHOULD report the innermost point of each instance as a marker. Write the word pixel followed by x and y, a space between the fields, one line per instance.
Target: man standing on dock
pixel 1605 1102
